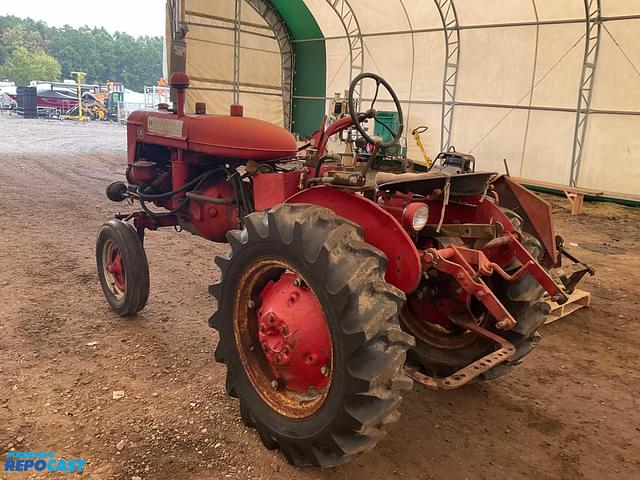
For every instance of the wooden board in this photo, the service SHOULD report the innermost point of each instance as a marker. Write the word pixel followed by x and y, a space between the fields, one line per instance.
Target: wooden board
pixel 577 300
pixel 559 187
pixel 577 201
pixel 575 195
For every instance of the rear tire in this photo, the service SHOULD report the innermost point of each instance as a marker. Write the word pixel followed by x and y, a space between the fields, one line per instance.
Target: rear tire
pixel 122 267
pixel 523 299
pixel 441 362
pixel 360 309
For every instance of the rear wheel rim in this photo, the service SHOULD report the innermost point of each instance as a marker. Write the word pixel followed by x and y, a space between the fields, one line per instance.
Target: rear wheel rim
pixel 113 269
pixel 283 339
pixel 434 334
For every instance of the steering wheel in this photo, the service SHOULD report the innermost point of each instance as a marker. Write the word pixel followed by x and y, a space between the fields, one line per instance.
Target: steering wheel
pixel 357 117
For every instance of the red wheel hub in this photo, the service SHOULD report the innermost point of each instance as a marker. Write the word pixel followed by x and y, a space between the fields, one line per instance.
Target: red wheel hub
pixel 294 335
pixel 116 268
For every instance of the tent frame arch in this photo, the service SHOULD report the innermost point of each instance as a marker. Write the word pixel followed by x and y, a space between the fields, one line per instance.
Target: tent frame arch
pixel 593 27
pixel 279 28
pixel 451 30
pixel 351 26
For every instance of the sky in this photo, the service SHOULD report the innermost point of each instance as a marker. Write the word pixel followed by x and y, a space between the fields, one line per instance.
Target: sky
pixel 135 17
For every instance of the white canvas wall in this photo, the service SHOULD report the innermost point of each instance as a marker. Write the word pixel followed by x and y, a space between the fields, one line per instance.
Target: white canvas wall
pixel 210 60
pixel 536 65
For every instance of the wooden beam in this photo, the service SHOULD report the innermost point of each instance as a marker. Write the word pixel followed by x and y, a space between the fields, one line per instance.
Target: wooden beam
pixel 577 201
pixel 585 191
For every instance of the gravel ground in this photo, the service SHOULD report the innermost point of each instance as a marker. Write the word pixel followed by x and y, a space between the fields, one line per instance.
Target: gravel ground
pixel 571 411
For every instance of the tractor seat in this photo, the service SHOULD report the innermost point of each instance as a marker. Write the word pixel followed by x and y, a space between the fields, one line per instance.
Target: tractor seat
pixel 463 184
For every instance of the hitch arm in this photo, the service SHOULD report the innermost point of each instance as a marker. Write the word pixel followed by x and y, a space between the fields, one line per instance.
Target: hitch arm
pixel 450 260
pixel 539 273
pixel 572 275
pixel 468 265
pixel 505 352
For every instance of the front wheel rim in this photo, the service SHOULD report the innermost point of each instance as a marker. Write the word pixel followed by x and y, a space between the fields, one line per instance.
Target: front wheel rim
pixel 283 339
pixel 113 269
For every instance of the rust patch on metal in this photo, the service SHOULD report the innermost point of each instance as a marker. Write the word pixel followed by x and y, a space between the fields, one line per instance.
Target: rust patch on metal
pixel 245 328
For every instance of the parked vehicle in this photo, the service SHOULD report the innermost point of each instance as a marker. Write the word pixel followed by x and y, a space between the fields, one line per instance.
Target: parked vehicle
pixel 341 284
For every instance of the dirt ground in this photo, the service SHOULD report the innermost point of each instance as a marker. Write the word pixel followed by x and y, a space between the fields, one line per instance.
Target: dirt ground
pixel 571 411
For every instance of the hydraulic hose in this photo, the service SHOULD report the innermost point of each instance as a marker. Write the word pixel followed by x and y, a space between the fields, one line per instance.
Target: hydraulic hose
pixel 199 180
pixel 186 186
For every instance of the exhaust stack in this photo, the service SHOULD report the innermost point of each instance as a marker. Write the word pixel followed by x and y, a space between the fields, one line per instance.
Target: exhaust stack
pixel 180 82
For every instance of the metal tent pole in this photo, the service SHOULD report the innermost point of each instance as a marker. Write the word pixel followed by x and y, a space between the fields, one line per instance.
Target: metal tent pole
pixel 568 21
pixel 349 21
pixel 178 53
pixel 236 53
pixel 593 27
pixel 451 29
pixel 279 28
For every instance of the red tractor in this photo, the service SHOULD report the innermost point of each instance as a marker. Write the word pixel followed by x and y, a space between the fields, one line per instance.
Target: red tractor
pixel 343 282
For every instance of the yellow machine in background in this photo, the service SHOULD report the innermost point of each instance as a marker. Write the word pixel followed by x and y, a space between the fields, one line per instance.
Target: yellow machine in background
pixel 80 76
pixel 416 135
pixel 98 103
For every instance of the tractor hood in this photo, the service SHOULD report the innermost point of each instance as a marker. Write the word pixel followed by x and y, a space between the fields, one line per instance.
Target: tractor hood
pixel 226 136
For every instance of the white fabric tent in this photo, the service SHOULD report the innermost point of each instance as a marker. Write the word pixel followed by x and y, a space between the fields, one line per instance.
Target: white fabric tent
pixel 552 87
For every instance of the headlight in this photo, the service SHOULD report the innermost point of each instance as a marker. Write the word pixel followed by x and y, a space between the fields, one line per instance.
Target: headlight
pixel 415 216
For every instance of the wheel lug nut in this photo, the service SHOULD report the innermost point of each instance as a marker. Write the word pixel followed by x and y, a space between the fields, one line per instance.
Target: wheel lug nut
pixel 324 370
pixel 251 304
pixel 274 384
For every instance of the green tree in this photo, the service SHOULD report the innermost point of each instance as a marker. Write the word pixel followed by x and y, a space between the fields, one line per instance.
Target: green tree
pixel 18 36
pixel 134 61
pixel 23 66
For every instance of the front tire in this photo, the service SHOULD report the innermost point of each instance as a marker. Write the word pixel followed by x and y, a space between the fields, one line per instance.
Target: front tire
pixel 122 267
pixel 345 415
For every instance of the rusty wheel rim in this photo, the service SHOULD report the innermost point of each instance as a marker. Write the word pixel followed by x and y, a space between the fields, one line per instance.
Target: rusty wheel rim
pixel 258 343
pixel 113 269
pixel 434 334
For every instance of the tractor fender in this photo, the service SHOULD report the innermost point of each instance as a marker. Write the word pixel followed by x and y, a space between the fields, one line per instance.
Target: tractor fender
pixel 380 230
